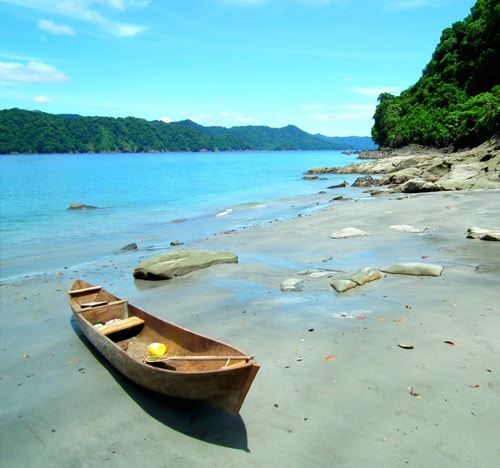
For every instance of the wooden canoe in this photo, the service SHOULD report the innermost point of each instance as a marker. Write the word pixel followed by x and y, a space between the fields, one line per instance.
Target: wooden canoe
pixel 194 367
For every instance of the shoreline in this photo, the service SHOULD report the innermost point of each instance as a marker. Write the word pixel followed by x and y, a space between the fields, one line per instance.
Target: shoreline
pixel 157 236
pixel 62 405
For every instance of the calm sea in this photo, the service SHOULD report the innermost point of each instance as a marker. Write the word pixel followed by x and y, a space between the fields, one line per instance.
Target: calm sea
pixel 149 199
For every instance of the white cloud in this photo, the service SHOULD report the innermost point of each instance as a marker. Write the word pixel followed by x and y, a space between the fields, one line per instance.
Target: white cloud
pixel 312 107
pixel 120 29
pixel 345 112
pixel 42 99
pixel 343 120
pixel 33 72
pixel 238 117
pixel 355 111
pixel 223 119
pixel 373 92
pixel 387 4
pixel 408 4
pixel 165 119
pixel 244 2
pixel 90 11
pixel 246 120
pixel 51 27
pixel 325 117
pixel 309 3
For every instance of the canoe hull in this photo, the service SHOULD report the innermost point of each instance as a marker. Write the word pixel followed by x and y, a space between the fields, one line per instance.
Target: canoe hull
pixel 221 384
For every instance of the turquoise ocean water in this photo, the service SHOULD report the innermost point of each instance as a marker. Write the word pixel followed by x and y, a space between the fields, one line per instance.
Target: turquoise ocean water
pixel 149 199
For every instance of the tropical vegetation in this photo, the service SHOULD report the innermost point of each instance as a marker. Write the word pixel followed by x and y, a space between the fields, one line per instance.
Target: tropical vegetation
pixel 456 102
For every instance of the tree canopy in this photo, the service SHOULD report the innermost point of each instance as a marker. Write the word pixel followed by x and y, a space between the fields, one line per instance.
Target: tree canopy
pixel 456 102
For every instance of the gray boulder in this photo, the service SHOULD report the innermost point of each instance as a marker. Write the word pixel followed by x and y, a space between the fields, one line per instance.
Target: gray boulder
pixel 132 246
pixel 414 268
pixel 418 185
pixel 351 280
pixel 180 262
pixel 364 181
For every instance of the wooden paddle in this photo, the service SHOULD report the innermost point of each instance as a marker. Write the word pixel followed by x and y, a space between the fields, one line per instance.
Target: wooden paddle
pixel 196 358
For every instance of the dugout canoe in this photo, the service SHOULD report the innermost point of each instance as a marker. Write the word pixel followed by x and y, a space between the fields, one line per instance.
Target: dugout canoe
pixel 194 367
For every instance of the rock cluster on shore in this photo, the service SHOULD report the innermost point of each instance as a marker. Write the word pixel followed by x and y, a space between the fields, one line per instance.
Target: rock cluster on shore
pixel 344 280
pixel 417 169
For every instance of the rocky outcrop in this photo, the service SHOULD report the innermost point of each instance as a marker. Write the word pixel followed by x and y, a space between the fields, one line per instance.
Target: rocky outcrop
pixel 180 262
pixel 418 169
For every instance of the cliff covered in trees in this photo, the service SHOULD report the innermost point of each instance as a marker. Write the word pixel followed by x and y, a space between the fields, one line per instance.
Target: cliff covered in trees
pixel 29 132
pixel 456 102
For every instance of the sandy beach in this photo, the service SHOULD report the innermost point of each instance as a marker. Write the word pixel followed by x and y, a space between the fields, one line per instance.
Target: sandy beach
pixel 369 403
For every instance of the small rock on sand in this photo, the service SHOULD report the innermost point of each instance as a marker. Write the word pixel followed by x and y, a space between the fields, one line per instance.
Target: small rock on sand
pixel 292 284
pixel 348 232
pixel 408 228
pixel 483 234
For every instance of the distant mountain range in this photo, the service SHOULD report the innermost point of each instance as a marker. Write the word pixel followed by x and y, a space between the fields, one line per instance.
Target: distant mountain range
pixel 357 143
pixel 35 132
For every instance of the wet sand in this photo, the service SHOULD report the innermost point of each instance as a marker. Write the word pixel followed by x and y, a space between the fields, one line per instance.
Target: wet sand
pixel 371 403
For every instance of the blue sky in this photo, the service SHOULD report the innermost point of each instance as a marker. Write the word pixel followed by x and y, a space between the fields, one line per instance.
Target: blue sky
pixel 316 64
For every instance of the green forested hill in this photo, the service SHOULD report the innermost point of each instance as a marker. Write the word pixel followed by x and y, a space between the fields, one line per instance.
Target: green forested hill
pixel 28 132
pixel 358 142
pixel 456 102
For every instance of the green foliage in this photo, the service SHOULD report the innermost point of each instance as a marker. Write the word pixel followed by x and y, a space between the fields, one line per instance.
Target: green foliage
pixel 37 132
pixel 457 99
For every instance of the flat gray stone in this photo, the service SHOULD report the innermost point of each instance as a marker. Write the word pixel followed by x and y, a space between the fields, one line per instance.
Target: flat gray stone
pixel 408 228
pixel 348 232
pixel 341 285
pixel 313 273
pixel 414 268
pixel 180 262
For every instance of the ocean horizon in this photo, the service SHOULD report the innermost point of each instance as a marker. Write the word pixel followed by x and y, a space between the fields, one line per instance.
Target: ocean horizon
pixel 150 199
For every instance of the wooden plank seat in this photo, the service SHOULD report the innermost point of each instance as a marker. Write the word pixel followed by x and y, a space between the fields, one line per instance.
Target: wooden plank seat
pixel 75 292
pixel 94 304
pixel 120 325
pixel 88 305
